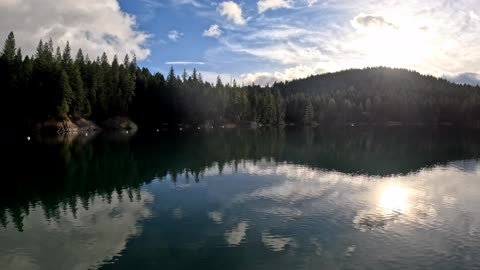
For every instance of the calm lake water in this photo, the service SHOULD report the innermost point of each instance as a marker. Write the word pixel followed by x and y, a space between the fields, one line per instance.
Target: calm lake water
pixel 243 199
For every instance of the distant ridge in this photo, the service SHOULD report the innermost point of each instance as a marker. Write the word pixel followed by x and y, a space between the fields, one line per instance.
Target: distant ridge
pixel 381 94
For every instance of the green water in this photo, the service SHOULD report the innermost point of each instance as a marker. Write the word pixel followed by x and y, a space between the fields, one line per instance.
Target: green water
pixel 243 199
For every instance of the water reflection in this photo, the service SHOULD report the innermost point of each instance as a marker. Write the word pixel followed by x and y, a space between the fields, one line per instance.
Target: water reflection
pixel 249 199
pixel 82 238
pixel 236 236
pixel 276 242
pixel 216 216
pixel 394 198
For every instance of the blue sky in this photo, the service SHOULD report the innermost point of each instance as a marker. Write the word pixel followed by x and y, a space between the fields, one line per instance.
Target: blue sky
pixel 213 54
pixel 261 40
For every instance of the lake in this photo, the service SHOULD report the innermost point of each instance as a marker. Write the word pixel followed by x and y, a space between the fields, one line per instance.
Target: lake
pixel 351 198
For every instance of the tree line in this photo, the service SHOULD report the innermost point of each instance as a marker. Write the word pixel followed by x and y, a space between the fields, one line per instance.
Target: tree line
pixel 54 83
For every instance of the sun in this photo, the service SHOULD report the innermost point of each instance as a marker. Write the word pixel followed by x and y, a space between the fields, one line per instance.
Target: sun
pixel 397 47
pixel 400 43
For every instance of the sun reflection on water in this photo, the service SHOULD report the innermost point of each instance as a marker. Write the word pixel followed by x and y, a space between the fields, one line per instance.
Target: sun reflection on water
pixel 394 198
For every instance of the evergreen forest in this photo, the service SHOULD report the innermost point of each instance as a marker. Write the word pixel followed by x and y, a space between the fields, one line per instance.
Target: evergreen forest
pixel 56 83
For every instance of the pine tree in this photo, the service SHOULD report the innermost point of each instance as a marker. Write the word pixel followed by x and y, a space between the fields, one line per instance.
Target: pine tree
pixel 18 57
pixel 49 46
pixel 184 76
pixel 94 76
pixel 279 108
pixel 219 83
pixel 308 116
pixel 102 84
pixel 194 75
pixel 126 61
pixel 133 65
pixel 104 60
pixel 78 101
pixel 8 76
pixel 114 96
pixel 171 77
pixel 8 53
pixel 64 91
pixel 39 52
pixel 66 56
pixel 58 55
pixel 127 86
pixel 79 58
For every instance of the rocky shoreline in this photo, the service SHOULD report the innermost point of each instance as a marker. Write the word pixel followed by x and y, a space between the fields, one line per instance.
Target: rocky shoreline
pixel 121 123
pixel 82 125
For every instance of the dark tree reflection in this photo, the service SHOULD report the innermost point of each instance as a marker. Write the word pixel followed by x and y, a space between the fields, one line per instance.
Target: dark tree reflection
pixel 64 175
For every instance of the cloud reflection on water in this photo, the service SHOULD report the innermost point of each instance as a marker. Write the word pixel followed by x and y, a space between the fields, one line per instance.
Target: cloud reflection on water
pixel 83 241
pixel 379 201
pixel 237 235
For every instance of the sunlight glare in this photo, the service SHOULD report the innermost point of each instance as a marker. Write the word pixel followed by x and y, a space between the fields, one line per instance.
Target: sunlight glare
pixel 394 198
pixel 403 44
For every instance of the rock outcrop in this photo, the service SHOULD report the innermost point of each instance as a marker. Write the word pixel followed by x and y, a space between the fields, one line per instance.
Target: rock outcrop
pixel 120 123
pixel 58 126
pixel 85 125
pixel 67 126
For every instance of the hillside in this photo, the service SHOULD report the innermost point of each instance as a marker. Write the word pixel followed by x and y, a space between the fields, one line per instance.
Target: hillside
pixel 382 94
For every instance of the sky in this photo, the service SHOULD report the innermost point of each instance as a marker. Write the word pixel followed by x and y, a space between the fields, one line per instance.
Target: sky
pixel 261 41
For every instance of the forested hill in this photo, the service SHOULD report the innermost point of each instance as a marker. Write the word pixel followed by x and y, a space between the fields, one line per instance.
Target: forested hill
pixel 55 83
pixel 373 80
pixel 383 94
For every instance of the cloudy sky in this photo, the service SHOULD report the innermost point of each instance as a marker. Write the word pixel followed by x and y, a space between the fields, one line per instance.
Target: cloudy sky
pixel 261 40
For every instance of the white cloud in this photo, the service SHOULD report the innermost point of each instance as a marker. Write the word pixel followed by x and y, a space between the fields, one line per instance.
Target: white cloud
pixel 287 53
pixel 277 33
pixel 213 31
pixel 470 78
pixel 174 35
pixel 264 78
pixel 211 77
pixel 95 26
pixel 363 20
pixel 264 5
pixel 152 4
pixel 188 2
pixel 425 35
pixel 184 63
pixel 232 11
pixel 9 3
